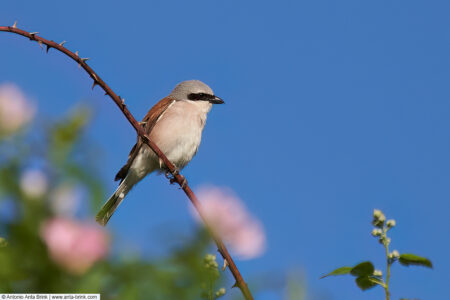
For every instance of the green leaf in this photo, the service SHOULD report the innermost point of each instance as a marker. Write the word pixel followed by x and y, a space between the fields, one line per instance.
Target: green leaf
pixel 365 282
pixel 409 259
pixel 363 269
pixel 377 280
pixel 65 134
pixel 338 271
pixel 3 242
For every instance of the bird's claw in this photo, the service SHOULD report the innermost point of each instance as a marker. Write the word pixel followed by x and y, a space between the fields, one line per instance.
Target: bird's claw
pixel 183 181
pixel 176 171
pixel 171 176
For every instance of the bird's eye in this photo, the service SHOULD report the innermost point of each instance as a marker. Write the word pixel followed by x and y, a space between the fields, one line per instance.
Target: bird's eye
pixel 199 96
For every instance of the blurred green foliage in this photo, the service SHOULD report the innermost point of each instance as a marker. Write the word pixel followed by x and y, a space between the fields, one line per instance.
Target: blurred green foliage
pixel 61 154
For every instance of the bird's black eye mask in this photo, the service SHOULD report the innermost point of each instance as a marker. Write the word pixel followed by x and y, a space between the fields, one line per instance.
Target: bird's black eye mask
pixel 201 97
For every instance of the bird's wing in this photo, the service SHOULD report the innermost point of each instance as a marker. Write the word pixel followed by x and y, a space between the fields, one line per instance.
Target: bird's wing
pixel 148 123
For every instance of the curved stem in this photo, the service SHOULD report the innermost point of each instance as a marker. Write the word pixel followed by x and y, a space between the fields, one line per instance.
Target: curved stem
pixel 388 265
pixel 141 133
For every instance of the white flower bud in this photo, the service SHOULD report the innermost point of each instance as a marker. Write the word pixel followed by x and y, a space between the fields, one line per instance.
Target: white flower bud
pixel 394 254
pixel 390 223
pixel 384 240
pixel 377 213
pixel 34 183
pixel 378 218
pixel 376 232
pixel 377 273
pixel 210 257
pixel 220 292
pixel 210 261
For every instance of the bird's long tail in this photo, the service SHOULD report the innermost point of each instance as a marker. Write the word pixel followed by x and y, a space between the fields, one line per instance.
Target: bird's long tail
pixel 113 202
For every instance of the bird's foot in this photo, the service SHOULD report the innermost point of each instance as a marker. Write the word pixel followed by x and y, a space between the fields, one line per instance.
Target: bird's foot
pixel 176 171
pixel 183 184
pixel 170 175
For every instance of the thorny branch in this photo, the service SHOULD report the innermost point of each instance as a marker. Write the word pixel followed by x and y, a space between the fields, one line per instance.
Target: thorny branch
pixel 141 133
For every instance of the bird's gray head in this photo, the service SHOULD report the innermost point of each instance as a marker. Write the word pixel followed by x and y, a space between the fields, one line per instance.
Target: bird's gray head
pixel 194 90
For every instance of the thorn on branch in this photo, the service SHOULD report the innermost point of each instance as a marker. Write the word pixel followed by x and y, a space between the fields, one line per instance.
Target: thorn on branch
pixel 62 43
pixel 33 35
pixel 235 285
pixel 82 60
pixel 76 53
pixel 225 264
pixel 94 84
pixel 40 45
pixel 15 24
pixel 48 48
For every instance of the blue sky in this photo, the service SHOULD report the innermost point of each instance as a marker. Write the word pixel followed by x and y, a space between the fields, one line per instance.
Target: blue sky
pixel 333 108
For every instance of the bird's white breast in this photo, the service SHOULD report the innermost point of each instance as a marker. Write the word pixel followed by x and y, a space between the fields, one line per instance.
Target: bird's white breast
pixel 178 131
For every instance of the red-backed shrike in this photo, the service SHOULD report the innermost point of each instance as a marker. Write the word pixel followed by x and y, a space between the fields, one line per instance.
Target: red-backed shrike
pixel 175 125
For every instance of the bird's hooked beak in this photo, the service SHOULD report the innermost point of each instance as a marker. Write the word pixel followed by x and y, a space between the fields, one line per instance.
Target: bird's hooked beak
pixel 216 100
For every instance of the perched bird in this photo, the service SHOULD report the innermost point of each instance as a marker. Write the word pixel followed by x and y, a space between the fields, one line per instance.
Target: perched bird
pixel 175 125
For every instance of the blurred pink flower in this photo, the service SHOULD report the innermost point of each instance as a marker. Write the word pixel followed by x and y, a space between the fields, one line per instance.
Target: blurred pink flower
pixel 15 110
pixel 74 245
pixel 230 220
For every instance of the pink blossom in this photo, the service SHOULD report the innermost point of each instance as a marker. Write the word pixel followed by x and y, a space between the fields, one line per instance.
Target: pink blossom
pixel 228 217
pixel 74 245
pixel 15 110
